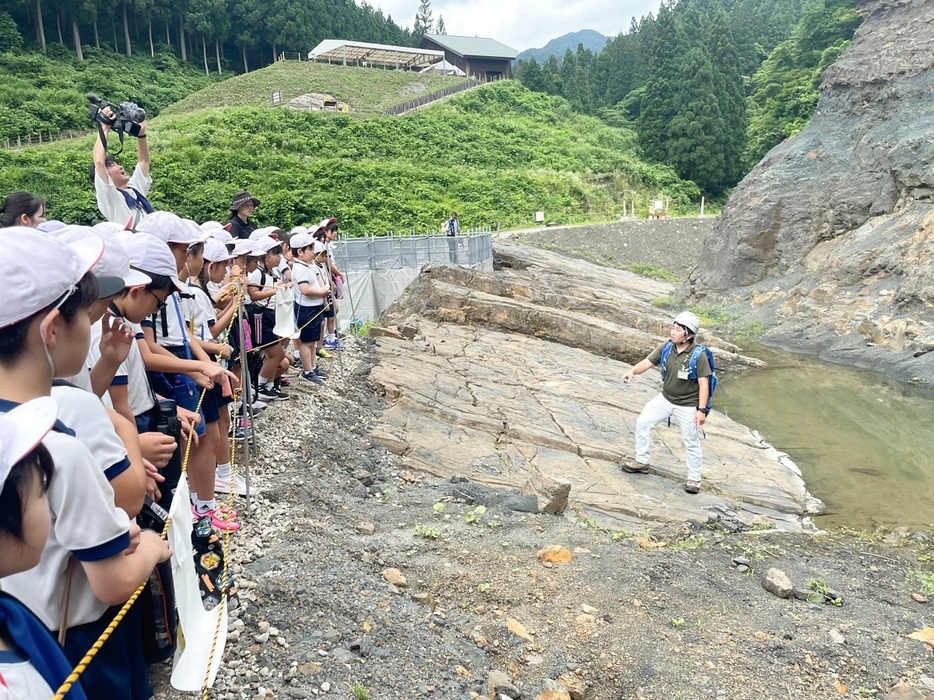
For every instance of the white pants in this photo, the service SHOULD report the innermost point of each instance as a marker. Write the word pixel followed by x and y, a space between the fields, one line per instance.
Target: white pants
pixel 659 409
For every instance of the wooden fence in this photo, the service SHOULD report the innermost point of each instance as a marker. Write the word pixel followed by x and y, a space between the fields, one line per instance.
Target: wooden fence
pixel 432 97
pixel 22 141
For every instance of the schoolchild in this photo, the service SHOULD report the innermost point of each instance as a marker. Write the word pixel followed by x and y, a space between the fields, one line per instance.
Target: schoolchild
pixel 173 350
pixel 32 665
pixel 263 283
pixel 312 288
pixel 44 333
pixel 22 209
pixel 211 326
pixel 330 229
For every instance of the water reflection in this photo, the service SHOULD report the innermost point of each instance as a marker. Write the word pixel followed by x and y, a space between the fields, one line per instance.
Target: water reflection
pixel 863 442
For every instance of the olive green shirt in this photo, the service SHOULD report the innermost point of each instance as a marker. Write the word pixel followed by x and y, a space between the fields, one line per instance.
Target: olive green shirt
pixel 681 392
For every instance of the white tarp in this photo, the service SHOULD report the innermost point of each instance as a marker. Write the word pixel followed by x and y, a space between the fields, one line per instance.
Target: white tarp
pixel 444 68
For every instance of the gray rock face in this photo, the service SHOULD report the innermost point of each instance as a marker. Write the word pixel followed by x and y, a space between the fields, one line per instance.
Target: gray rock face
pixel 510 387
pixel 831 233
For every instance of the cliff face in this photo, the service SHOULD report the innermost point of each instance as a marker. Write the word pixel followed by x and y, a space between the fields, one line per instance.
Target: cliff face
pixel 829 241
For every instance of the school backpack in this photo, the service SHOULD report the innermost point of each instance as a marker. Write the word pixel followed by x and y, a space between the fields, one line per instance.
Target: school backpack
pixel 692 367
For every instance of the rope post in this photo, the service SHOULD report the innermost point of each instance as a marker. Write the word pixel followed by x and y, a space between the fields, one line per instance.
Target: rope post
pixel 246 403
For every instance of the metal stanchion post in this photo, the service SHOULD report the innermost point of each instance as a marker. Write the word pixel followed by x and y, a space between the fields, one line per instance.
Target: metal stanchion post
pixel 246 402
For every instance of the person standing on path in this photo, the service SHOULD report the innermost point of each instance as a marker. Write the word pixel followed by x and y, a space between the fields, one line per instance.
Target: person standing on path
pixel 681 398
pixel 241 209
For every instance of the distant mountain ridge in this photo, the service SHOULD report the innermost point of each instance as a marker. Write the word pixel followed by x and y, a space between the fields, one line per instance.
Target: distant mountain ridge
pixel 591 39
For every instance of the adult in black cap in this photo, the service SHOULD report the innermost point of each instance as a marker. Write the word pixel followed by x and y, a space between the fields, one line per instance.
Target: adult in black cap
pixel 241 207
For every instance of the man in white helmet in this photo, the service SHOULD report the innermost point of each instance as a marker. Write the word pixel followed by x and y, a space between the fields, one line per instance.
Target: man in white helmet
pixel 682 398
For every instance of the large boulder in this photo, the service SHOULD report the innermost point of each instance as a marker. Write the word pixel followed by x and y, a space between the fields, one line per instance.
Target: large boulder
pixel 831 236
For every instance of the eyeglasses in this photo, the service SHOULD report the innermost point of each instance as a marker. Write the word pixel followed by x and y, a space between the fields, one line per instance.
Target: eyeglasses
pixel 160 303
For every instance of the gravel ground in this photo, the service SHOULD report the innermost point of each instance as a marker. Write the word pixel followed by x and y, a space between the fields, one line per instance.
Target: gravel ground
pixel 666 612
pixel 655 248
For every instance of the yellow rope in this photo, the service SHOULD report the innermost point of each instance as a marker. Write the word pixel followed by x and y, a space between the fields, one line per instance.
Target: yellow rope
pixel 327 305
pixel 118 618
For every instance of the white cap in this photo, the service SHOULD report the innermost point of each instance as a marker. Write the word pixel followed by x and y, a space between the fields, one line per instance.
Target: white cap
pixel 298 229
pixel 50 226
pixel 301 240
pixel 222 235
pixel 270 231
pixel 22 429
pixel 325 222
pixel 27 290
pixel 263 245
pixel 215 251
pixel 113 265
pixel 171 228
pixel 211 225
pixel 152 255
pixel 243 246
pixel 320 247
pixel 109 227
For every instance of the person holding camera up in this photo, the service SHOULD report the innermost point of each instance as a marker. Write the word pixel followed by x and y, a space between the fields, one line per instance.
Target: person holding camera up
pixel 120 198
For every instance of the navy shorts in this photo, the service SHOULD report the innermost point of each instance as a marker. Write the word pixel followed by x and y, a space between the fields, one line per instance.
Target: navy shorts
pixel 329 312
pixel 312 316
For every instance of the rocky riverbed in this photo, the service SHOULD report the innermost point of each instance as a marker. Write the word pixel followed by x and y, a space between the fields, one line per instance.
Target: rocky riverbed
pixel 365 574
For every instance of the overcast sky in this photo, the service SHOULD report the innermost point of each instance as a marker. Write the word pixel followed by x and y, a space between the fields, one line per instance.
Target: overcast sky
pixel 523 24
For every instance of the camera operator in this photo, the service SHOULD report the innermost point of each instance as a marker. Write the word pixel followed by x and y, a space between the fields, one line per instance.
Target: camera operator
pixel 120 197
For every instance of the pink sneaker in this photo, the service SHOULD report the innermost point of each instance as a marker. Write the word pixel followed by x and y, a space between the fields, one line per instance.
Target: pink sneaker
pixel 222 518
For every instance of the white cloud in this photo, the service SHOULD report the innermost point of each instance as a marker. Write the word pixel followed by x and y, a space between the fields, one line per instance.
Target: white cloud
pixel 523 24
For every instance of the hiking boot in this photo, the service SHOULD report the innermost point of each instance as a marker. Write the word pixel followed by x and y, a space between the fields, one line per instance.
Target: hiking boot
pixel 634 467
pixel 692 487
pixel 312 377
pixel 323 353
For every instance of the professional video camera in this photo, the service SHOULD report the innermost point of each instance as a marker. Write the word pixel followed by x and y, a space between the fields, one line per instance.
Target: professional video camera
pixel 127 115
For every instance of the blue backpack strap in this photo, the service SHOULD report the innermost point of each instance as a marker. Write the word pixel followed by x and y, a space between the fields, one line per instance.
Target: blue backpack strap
pixel 663 360
pixel 692 370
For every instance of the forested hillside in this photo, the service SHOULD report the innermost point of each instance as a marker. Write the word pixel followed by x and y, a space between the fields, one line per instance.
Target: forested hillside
pixel 709 85
pixel 215 34
pixel 495 154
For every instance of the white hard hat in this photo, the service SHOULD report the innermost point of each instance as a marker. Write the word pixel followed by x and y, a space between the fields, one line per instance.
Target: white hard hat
pixel 688 320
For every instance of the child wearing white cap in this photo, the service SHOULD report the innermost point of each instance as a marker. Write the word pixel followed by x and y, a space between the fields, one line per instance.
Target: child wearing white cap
pixel 263 283
pixel 312 286
pixel 32 665
pixel 44 333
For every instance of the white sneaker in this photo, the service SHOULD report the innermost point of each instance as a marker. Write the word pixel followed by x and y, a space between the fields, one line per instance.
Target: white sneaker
pixel 239 485
pixel 259 405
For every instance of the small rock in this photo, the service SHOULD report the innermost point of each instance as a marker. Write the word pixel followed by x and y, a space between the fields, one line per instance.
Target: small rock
pixel 425 599
pixel 518 629
pixel 589 609
pixel 575 686
pixel 742 568
pixel 903 691
pixel 364 477
pixel 261 638
pixel 555 554
pixel 552 690
pixel 233 635
pixel 325 687
pixel 263 626
pixel 408 332
pixel 777 583
pixel 366 528
pixel 379 332
pixel 919 598
pixel 802 593
pixel 498 683
pixel 741 561
pixel 837 636
pixel 395 577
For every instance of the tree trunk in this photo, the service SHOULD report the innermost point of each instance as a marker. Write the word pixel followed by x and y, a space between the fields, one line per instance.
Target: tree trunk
pixel 152 47
pixel 246 67
pixel 97 38
pixel 168 37
pixel 181 40
pixel 275 52
pixel 217 52
pixel 126 33
pixel 76 35
pixel 58 25
pixel 40 29
pixel 113 26
pixel 204 54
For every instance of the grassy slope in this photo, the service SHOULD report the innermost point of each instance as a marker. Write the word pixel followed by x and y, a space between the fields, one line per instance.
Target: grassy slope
pixel 367 90
pixel 495 154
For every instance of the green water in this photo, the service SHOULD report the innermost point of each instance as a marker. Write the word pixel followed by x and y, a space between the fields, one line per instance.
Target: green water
pixel 863 442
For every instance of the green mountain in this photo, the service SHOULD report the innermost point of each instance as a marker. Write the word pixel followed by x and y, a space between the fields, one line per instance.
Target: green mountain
pixel 590 39
pixel 495 154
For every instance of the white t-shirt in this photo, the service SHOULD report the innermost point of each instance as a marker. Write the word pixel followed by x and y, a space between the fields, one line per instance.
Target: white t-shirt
pixel 176 312
pixel 203 313
pixel 111 202
pixel 19 680
pixel 84 413
pixel 264 279
pixel 85 524
pixel 303 272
